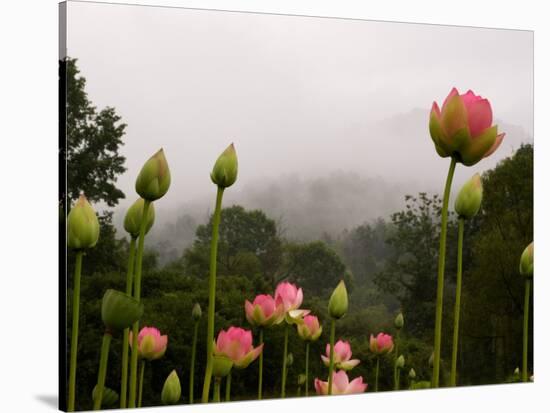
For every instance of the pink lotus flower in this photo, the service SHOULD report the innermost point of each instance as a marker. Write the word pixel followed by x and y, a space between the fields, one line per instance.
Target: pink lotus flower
pixel 462 128
pixel 264 311
pixel 342 356
pixel 236 344
pixel 292 298
pixel 341 384
pixel 381 344
pixel 309 329
pixel 151 345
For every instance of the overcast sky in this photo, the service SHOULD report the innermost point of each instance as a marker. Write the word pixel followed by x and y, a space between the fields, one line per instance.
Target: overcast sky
pixel 295 94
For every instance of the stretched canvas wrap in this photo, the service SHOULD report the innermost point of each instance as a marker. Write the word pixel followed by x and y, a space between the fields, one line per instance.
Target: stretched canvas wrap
pixel 259 206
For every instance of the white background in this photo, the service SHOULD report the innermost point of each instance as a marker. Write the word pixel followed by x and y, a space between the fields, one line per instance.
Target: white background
pixel 28 202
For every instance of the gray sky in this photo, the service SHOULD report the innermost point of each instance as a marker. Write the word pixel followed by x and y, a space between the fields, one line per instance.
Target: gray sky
pixel 296 94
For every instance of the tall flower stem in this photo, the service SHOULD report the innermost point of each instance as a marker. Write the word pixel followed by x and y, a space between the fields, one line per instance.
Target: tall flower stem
pixel 141 375
pixel 228 387
pixel 396 356
pixel 217 381
pixel 376 373
pixel 212 295
pixel 331 355
pixel 193 355
pixel 285 351
pixel 525 329
pixel 137 295
pixel 129 281
pixel 441 274
pixel 102 369
pixel 307 367
pixel 457 300
pixel 74 331
pixel 260 364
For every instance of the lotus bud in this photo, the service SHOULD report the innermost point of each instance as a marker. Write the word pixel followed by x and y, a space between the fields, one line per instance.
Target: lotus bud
pixel 412 374
pixel 289 359
pixel 109 397
pixel 526 261
pixel 197 312
pixel 221 366
pixel 83 231
pixel 400 362
pixel 516 373
pixel 469 198
pixel 153 180
pixel 399 321
pixel 301 379
pixel 224 173
pixel 119 310
pixel 132 220
pixel 171 391
pixel 338 303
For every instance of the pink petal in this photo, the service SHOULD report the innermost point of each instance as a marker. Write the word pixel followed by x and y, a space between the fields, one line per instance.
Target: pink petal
pixel 495 146
pixel 248 309
pixel 356 386
pixel 340 381
pixel 452 93
pixel 326 360
pixel 299 298
pixel 435 110
pixel 161 343
pixel 480 116
pixel 321 387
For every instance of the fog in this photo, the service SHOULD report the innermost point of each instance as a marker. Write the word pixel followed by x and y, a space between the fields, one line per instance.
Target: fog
pixel 328 116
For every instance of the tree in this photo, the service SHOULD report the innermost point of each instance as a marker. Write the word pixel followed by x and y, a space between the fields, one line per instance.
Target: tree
pixel 93 142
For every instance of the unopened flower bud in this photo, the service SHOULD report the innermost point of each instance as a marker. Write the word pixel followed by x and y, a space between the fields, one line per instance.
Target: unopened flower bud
pixel 412 374
pixel 171 391
pixel 119 310
pixel 109 396
pixel 197 312
pixel 399 321
pixel 83 225
pixel 469 198
pixel 289 359
pixel 301 379
pixel 153 180
pixel 338 303
pixel 400 362
pixel 132 220
pixel 224 173
pixel 221 365
pixel 526 261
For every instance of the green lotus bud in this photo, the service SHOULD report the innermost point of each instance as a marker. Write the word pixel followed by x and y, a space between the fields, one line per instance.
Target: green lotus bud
pixel 301 379
pixel 109 397
pixel 338 303
pixel 289 359
pixel 132 220
pixel 516 373
pixel 119 310
pixel 469 198
pixel 526 261
pixel 171 391
pixel 399 321
pixel 83 231
pixel 221 365
pixel 197 312
pixel 400 362
pixel 412 374
pixel 225 169
pixel 153 180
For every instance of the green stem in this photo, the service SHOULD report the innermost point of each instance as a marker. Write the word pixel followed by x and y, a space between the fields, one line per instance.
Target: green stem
pixel 102 369
pixel 441 274
pixel 376 373
pixel 141 375
pixel 398 379
pixel 307 367
pixel 331 355
pixel 260 366
pixel 212 295
pixel 137 295
pixel 74 331
pixel 228 387
pixel 129 280
pixel 285 351
pixel 192 371
pixel 217 389
pixel 457 300
pixel 525 329
pixel 396 356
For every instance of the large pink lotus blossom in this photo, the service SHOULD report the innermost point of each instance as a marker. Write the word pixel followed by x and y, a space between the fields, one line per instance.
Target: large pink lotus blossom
pixel 151 344
pixel 309 329
pixel 236 344
pixel 341 384
pixel 342 356
pixel 264 311
pixel 381 344
pixel 292 298
pixel 462 128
